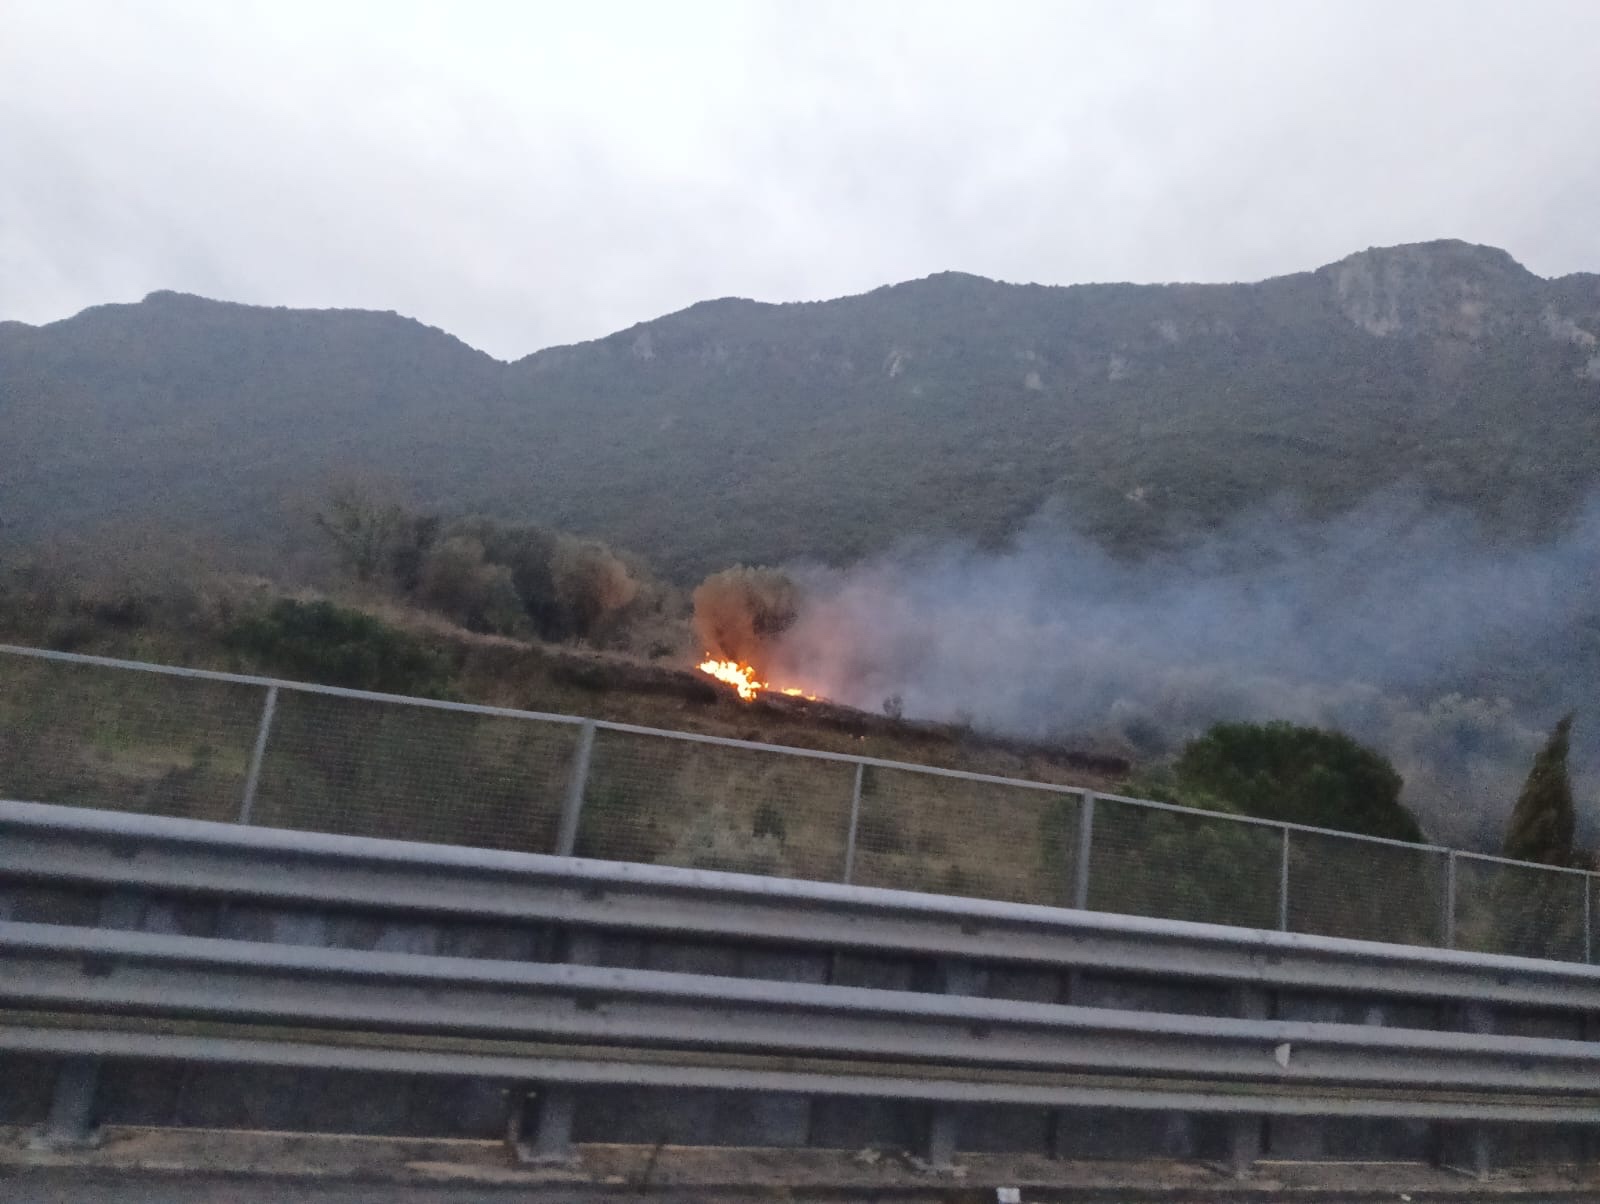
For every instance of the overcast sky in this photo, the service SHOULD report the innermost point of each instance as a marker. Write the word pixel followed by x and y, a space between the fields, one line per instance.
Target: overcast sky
pixel 524 174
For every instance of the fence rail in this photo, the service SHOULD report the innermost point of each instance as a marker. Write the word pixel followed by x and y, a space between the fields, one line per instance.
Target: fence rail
pixel 189 743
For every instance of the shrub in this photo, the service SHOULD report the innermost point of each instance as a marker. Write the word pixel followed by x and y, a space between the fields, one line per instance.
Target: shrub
pixel 1303 775
pixel 737 610
pixel 321 642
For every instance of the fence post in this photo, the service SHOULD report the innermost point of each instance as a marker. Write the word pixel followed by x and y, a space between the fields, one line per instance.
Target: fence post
pixel 1080 884
pixel 1450 900
pixel 1588 918
pixel 253 777
pixel 1283 885
pixel 577 783
pixel 855 821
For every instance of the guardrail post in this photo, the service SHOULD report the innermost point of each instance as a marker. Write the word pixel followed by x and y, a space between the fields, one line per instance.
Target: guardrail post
pixel 1589 1146
pixel 1080 883
pixel 577 783
pixel 1247 1135
pixel 1283 885
pixel 72 1121
pixel 944 1120
pixel 855 823
pixel 553 1105
pixel 551 1141
pixel 253 777
pixel 1476 1152
pixel 1449 902
pixel 1480 1019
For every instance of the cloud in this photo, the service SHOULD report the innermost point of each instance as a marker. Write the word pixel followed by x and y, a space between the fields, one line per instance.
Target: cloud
pixel 524 176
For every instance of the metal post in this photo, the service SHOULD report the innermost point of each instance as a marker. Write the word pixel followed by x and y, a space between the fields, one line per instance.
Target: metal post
pixel 552 1111
pixel 253 778
pixel 1080 885
pixel 71 1121
pixel 1283 885
pixel 1450 900
pixel 577 783
pixel 1247 1135
pixel 1479 1018
pixel 944 1119
pixel 855 821
pixel 1588 919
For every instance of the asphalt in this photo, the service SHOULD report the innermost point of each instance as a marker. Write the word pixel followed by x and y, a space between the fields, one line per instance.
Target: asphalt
pixel 73 1186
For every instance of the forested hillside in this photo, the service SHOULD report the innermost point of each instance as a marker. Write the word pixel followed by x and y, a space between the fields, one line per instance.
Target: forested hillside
pixel 737 430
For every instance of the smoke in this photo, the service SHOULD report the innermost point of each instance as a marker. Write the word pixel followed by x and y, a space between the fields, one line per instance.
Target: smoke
pixel 738 611
pixel 1411 629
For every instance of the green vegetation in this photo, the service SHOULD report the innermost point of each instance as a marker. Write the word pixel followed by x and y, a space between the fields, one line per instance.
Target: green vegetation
pixel 1543 821
pixel 1525 910
pixel 515 580
pixel 737 432
pixel 1302 775
pixel 334 645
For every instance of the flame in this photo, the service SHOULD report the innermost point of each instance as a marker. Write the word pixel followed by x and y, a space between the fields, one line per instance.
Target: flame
pixel 743 679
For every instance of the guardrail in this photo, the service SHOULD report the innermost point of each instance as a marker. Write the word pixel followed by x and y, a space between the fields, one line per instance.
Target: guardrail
pixel 638 1012
pixel 194 858
pixel 90 992
pixel 261 751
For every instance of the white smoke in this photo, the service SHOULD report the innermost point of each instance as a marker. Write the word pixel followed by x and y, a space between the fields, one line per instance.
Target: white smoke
pixel 1450 650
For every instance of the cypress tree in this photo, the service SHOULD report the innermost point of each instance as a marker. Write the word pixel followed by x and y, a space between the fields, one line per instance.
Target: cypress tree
pixel 1543 819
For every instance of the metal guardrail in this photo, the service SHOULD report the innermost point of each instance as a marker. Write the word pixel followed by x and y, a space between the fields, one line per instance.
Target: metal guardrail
pixel 85 971
pixel 255 750
pixel 85 992
pixel 198 859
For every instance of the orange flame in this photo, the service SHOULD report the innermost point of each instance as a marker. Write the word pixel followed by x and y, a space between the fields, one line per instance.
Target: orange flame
pixel 743 679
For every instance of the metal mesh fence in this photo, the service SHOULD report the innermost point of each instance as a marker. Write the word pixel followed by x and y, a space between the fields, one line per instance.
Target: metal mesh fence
pixel 111 735
pixel 1366 889
pixel 80 735
pixel 1528 910
pixel 670 801
pixel 368 768
pixel 1183 865
pixel 959 836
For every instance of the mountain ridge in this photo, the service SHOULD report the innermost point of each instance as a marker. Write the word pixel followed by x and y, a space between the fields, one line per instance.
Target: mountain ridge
pixel 735 429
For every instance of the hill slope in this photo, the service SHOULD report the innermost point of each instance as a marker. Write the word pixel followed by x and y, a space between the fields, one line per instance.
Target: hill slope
pixel 736 430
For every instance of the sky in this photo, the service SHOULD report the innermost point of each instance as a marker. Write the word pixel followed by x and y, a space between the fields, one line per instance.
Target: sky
pixel 524 175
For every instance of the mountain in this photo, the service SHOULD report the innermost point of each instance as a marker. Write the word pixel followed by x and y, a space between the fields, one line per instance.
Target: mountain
pixel 738 430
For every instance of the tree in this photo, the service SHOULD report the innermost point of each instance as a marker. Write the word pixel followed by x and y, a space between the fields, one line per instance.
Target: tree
pixel 364 527
pixel 590 583
pixel 1542 822
pixel 1303 775
pixel 737 610
pixel 456 580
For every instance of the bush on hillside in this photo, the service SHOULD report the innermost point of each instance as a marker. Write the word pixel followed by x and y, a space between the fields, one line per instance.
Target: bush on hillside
pixel 457 581
pixel 737 610
pixel 336 646
pixel 1302 775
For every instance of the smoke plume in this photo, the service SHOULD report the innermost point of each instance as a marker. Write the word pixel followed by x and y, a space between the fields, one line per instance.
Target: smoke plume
pixel 1411 629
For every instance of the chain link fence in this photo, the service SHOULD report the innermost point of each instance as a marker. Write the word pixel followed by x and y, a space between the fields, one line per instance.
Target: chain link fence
pixel 87 731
